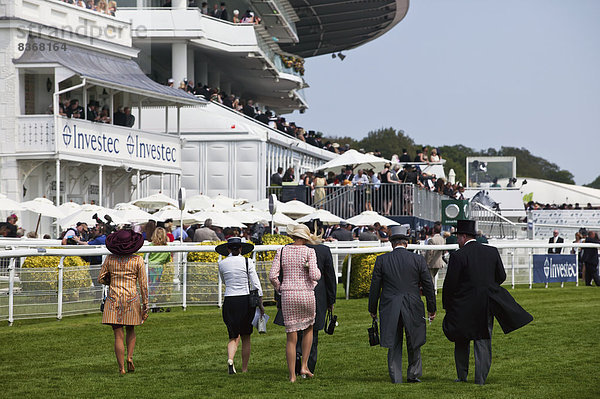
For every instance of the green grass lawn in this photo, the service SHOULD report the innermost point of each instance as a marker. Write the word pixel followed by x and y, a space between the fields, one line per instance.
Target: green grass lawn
pixel 183 354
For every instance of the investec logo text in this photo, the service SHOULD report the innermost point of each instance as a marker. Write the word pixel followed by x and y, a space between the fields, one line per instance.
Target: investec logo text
pixel 558 270
pixel 102 143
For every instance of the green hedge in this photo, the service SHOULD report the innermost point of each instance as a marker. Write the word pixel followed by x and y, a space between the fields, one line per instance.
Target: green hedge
pixel 360 274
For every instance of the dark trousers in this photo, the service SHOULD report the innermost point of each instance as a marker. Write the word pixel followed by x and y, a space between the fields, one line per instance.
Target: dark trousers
pixel 483 356
pixel 591 273
pixel 312 359
pixel 415 364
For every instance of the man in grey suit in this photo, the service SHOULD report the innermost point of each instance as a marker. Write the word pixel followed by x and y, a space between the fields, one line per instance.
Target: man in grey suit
pixel 397 276
pixel 434 258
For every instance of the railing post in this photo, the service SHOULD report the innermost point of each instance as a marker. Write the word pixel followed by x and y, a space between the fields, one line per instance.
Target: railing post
pixel 60 288
pixel 348 276
pixel 184 291
pixel 220 286
pixel 577 267
pixel 11 291
pixel 530 269
pixel 512 267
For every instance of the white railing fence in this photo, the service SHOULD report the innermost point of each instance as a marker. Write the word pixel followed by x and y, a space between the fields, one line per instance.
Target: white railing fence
pixel 30 293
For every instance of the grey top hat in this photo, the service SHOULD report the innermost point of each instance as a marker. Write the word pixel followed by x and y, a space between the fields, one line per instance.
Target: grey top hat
pixel 399 232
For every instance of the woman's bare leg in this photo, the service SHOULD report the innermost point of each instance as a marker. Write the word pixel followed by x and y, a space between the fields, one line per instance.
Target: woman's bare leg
pixel 290 354
pixel 232 346
pixel 307 338
pixel 246 347
pixel 119 348
pixel 130 340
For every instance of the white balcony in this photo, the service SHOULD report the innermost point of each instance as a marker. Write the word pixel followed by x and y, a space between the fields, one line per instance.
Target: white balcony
pixel 97 143
pixel 65 21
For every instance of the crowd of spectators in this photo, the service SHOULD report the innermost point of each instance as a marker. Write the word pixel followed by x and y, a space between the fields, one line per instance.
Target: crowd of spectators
pixel 94 113
pixel 219 11
pixel 536 206
pixel 101 6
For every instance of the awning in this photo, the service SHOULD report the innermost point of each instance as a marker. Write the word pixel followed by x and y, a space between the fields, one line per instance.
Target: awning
pixel 105 70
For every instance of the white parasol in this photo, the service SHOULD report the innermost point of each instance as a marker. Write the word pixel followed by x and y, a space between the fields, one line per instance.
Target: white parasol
pixel 324 216
pixel 219 219
pixel 132 213
pixel 69 208
pixel 43 207
pixel 172 212
pixel 6 204
pixel 294 207
pixel 369 218
pixel 85 213
pixel 354 159
pixel 154 201
pixel 250 216
pixel 198 202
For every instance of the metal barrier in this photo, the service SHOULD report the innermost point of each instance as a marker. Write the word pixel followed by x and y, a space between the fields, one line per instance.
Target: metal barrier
pixel 493 224
pixel 30 293
pixel 392 199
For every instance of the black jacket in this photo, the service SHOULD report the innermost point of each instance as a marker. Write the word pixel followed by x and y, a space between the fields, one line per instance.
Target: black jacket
pixel 555 250
pixel 472 291
pixel 590 255
pixel 397 276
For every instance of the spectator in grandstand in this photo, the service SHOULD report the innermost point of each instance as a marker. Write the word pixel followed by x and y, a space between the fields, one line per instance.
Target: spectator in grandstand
pixel 404 157
pixel 319 184
pixel 204 8
pixel 555 239
pixel 288 176
pixel 590 260
pixel 112 8
pixel 129 118
pixel 481 238
pixel 102 7
pixel 224 15
pixel 148 230
pixel 249 110
pixel 434 257
pixel 298 264
pixel 434 157
pixel 236 17
pixel 216 12
pixel 368 234
pixel 104 116
pixel 277 177
pixel 11 225
pixel 248 17
pixel 122 271
pixel 75 110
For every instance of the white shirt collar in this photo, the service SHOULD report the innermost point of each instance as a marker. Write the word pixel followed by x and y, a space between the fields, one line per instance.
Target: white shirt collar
pixel 472 239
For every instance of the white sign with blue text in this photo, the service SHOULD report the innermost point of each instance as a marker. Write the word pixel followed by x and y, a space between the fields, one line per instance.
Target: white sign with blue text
pixel 115 143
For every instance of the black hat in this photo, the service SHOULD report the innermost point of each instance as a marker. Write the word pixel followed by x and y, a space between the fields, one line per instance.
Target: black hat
pixel 232 242
pixel 466 227
pixel 399 232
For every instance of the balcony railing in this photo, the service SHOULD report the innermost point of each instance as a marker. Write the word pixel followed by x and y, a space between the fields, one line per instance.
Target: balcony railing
pixel 348 201
pixel 35 133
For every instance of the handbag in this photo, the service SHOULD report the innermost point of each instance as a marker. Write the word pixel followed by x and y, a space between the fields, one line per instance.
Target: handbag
pixel 373 333
pixel 330 322
pixel 262 325
pixel 254 298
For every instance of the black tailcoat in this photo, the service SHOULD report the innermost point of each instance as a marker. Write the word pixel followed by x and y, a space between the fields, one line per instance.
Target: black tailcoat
pixel 397 276
pixel 472 290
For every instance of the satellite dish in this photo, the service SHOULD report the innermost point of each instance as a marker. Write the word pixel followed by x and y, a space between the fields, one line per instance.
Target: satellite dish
pixel 272 204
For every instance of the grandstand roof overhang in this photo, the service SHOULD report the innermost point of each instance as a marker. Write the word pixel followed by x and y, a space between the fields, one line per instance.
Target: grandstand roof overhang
pixel 330 26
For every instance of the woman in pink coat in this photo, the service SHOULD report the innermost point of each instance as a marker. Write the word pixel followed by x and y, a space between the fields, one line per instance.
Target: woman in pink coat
pixel 298 264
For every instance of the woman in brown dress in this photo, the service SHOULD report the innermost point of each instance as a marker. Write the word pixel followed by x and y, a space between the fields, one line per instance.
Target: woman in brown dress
pixel 121 271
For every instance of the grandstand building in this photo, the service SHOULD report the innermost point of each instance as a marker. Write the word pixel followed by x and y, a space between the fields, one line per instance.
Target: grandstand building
pixel 54 53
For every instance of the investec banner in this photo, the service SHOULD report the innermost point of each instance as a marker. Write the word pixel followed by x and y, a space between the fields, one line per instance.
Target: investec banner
pixel 136 149
pixel 554 268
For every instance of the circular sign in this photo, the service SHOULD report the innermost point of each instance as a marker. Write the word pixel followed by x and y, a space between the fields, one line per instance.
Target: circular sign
pixel 452 211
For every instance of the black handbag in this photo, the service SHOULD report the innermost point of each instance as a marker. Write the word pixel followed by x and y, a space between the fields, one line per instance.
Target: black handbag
pixel 373 333
pixel 330 322
pixel 254 298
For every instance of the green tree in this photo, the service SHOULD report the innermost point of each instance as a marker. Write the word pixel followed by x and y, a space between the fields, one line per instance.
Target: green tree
pixel 594 184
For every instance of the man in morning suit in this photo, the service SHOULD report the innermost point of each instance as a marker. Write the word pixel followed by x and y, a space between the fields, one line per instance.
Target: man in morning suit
pixel 395 283
pixel 325 293
pixel 555 239
pixel 472 296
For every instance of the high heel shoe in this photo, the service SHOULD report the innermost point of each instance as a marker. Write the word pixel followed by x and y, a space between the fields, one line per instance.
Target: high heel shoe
pixel 130 366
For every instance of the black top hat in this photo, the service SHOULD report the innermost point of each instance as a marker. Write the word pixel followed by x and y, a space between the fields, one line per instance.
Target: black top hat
pixel 223 249
pixel 466 227
pixel 399 232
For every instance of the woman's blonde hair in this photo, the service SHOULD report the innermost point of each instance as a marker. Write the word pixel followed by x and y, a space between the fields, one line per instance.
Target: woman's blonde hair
pixel 159 237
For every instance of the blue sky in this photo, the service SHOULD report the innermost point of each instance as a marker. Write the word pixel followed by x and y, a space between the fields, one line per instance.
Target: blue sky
pixel 483 73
